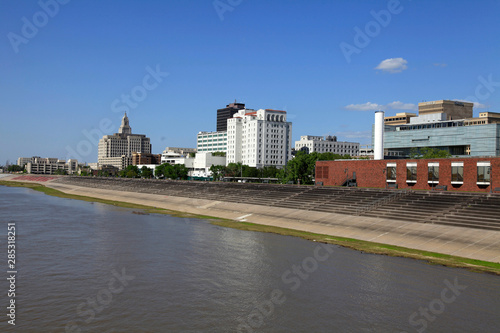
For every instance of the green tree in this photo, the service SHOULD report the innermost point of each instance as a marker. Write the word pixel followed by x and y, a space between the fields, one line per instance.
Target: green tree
pixel 180 171
pixel 160 171
pixel 131 171
pixel 234 169
pixel 146 172
pixel 218 171
pixel 302 167
pixel 249 171
pixel 14 168
pixel 427 152
pixel 177 171
pixel 269 172
pixel 219 153
pixel 60 172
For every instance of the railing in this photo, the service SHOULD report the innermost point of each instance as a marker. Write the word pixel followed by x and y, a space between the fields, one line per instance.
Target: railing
pixel 382 201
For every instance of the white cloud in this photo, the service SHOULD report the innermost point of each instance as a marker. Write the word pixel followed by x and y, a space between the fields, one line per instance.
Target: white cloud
pixel 368 106
pixel 359 135
pixel 477 105
pixel 393 65
pixel 397 105
pixel 364 107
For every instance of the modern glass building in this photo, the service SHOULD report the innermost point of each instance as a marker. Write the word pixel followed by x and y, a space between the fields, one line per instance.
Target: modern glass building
pixel 453 136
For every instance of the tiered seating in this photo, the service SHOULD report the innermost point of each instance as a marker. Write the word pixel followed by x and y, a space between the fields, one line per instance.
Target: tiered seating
pixel 418 206
pixel 34 178
pixel 458 209
pixel 481 212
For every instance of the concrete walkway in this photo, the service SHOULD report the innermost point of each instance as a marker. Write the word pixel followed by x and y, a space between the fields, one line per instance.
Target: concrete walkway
pixel 465 242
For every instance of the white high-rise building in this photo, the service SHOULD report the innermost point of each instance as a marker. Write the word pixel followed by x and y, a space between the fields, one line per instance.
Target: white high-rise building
pixel 117 149
pixel 259 138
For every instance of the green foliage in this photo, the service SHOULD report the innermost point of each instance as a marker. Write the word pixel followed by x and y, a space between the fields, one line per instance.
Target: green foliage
pixel 192 154
pixel 103 173
pixel 302 167
pixel 146 172
pixel 131 171
pixel 168 171
pixel 60 172
pixel 218 171
pixel 427 152
pixel 234 169
pixel 269 172
pixel 242 170
pixel 219 153
pixel 14 168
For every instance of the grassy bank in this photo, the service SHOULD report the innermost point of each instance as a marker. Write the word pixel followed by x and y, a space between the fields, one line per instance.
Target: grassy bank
pixel 57 193
pixel 371 247
pixel 365 246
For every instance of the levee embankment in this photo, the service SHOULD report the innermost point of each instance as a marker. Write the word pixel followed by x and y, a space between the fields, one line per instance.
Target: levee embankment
pixel 480 244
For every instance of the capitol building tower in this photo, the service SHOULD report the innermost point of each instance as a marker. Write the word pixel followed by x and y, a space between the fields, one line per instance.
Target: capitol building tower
pixel 117 149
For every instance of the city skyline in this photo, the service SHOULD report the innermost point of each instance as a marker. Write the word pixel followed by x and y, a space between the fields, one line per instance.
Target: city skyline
pixel 72 69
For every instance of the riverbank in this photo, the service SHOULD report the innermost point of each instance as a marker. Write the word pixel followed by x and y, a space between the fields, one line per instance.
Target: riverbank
pixel 356 244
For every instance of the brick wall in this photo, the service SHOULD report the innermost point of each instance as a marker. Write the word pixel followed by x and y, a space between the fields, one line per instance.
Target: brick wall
pixel 370 173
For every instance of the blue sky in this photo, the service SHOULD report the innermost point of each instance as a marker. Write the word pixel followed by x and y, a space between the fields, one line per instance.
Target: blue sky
pixel 329 64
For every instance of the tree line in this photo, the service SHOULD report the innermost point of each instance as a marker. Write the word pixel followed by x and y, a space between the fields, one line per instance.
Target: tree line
pixel 300 169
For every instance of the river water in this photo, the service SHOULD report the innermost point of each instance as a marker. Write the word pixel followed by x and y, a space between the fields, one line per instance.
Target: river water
pixel 84 267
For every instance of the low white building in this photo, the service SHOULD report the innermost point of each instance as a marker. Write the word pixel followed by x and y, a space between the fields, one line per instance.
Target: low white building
pixel 198 166
pixel 175 158
pixel 202 163
pixel 259 138
pixel 49 165
pixel 320 144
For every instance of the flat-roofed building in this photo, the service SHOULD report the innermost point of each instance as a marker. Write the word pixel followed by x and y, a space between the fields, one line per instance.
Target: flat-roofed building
pixel 400 118
pixel 179 150
pixel 453 109
pixel 49 166
pixel 445 125
pixel 144 158
pixel 211 142
pixel 328 144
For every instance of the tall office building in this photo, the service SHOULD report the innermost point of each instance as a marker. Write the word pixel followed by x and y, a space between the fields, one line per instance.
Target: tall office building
pixel 226 113
pixel 259 138
pixel 117 149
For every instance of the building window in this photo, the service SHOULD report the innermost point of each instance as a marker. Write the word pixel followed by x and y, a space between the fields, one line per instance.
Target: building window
pixel 433 173
pixel 391 173
pixel 483 173
pixel 457 172
pixel 411 172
